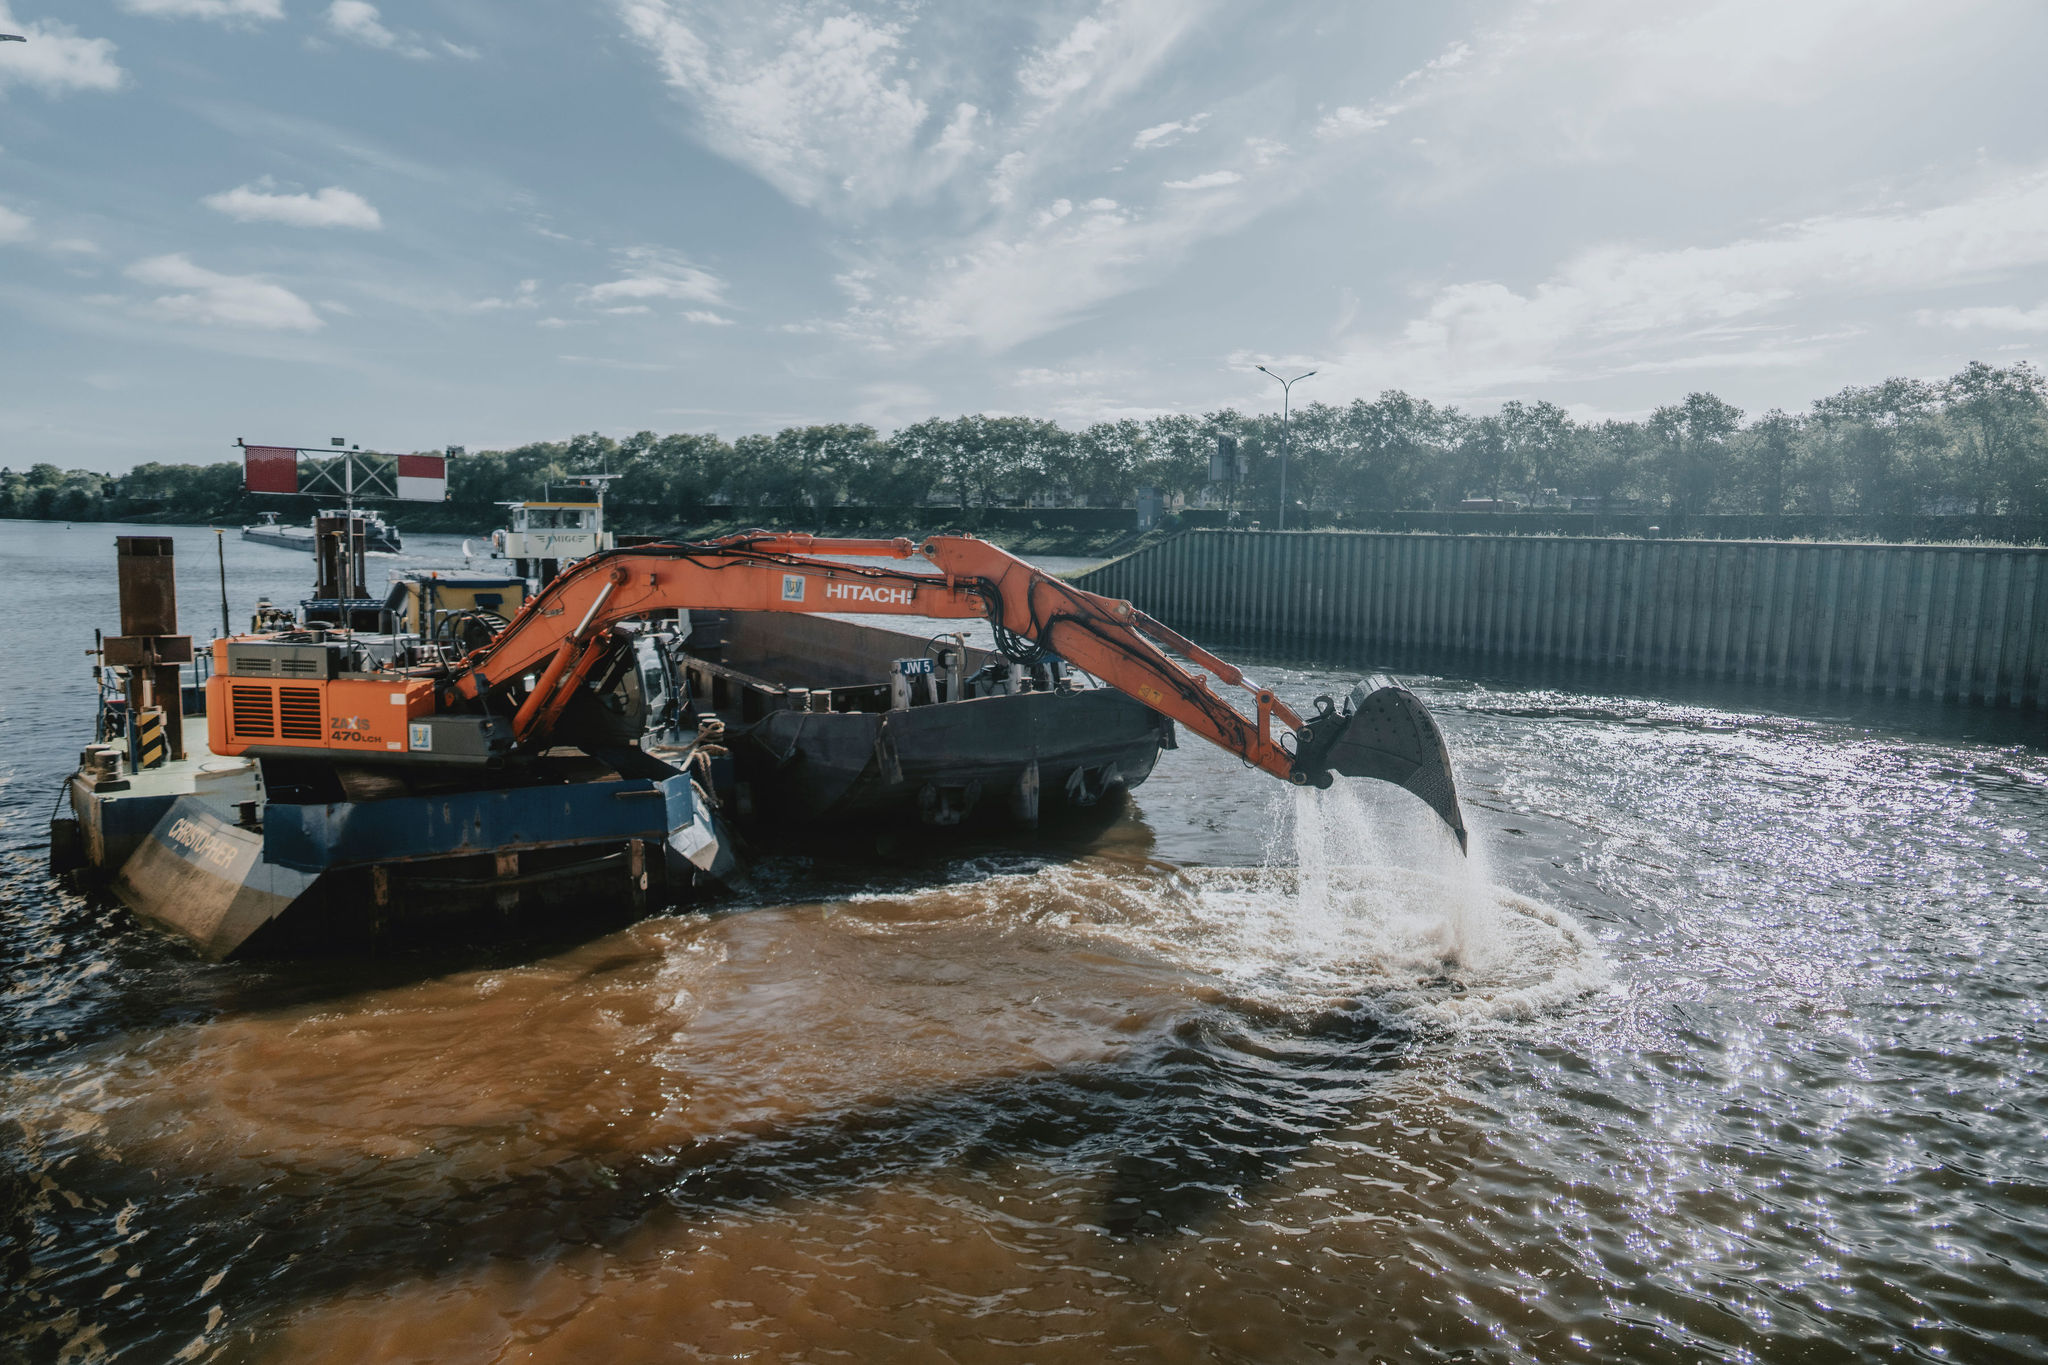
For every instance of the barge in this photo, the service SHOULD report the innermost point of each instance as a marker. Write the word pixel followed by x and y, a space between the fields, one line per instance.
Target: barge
pixel 853 728
pixel 604 749
pixel 379 536
pixel 262 851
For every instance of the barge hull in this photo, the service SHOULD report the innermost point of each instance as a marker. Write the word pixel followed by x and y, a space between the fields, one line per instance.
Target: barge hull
pixel 200 875
pixel 1015 759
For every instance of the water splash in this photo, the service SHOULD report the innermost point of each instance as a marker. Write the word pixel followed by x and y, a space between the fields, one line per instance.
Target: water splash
pixel 1363 894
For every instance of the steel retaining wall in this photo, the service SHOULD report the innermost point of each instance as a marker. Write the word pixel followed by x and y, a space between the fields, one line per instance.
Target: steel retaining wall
pixel 1958 623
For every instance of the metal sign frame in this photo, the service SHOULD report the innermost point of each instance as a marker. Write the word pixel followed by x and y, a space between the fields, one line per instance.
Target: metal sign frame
pixel 349 474
pixel 357 474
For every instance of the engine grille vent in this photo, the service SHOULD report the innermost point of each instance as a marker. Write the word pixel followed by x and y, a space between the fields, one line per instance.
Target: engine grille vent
pixel 298 712
pixel 250 713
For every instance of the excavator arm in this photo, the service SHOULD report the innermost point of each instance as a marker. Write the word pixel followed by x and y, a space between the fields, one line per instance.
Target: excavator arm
pixel 1380 730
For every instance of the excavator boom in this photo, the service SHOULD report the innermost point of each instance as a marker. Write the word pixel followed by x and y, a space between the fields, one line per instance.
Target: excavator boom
pixel 1380 730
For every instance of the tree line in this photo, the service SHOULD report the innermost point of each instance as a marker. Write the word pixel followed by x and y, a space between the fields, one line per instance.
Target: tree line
pixel 1976 442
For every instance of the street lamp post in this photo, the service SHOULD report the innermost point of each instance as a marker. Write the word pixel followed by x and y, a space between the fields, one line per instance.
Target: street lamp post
pixel 1286 395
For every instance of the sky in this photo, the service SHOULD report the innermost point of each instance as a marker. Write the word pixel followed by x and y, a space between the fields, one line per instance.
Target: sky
pixel 483 222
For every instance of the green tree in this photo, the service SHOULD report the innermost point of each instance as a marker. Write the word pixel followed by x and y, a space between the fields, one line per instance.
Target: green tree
pixel 1319 449
pixel 1765 457
pixel 1887 443
pixel 1610 462
pixel 2000 423
pixel 1398 451
pixel 1692 459
pixel 1177 448
pixel 1537 444
pixel 1481 458
pixel 1107 457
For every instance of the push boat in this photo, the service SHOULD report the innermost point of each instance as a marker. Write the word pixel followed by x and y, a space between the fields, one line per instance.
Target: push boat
pixel 623 735
pixel 545 536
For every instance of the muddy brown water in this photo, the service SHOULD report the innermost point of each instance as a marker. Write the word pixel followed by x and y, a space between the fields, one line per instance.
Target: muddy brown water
pixel 1727 1045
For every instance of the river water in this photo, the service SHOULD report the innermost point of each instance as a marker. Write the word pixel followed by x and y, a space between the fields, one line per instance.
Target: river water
pixel 1727 1043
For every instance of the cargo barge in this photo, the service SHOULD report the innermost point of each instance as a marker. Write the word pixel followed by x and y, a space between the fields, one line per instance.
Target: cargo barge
pixel 847 728
pixel 381 537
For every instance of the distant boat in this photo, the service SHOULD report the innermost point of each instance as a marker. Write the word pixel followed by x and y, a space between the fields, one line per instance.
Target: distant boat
pixel 382 537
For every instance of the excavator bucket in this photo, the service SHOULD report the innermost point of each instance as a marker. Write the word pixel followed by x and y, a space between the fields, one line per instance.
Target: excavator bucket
pixel 1383 731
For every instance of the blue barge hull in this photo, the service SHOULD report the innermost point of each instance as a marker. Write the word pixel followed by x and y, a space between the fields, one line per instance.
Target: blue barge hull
pixel 232 874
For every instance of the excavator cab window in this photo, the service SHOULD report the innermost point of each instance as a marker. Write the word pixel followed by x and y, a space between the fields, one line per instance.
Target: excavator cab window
pixel 657 681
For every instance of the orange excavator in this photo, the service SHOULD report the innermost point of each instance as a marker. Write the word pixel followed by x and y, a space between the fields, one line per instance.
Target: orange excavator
pixel 537 664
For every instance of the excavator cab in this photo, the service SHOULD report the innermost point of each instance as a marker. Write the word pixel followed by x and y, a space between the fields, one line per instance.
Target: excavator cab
pixel 1381 731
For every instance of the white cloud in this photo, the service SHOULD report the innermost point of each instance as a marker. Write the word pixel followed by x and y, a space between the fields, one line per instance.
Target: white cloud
pixel 1008 175
pixel 1052 213
pixel 14 227
pixel 361 22
pixel 958 138
pixel 526 296
pixel 817 107
pixel 1210 180
pixel 1590 80
pixel 705 316
pixel 2003 318
pixel 1604 308
pixel 1009 285
pixel 333 207
pixel 55 59
pixel 1348 120
pixel 857 285
pixel 838 112
pixel 221 300
pixel 1727 51
pixel 1107 53
pixel 853 113
pixel 651 273
pixel 1264 151
pixel 227 10
pixel 1166 134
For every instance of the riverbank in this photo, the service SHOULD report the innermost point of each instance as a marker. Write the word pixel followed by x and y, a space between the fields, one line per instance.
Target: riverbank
pixel 1027 540
pixel 1020 536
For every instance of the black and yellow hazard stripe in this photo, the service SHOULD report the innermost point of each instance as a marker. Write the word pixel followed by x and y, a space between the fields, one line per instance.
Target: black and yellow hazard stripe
pixel 151 747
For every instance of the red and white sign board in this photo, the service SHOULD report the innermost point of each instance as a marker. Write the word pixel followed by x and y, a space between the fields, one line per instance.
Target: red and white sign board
pixel 423 478
pixel 270 469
